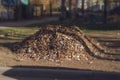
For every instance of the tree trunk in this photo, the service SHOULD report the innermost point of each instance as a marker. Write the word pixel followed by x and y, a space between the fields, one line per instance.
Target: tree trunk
pixel 105 11
pixel 63 9
pixel 70 5
pixel 83 10
pixel 18 11
pixel 50 4
pixel 76 6
pixel 41 9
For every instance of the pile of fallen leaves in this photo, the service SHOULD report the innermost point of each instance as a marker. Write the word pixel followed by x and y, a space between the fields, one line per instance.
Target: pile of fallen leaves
pixel 54 43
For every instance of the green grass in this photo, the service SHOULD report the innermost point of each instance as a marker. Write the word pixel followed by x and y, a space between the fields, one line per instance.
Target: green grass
pixel 19 33
pixel 16 34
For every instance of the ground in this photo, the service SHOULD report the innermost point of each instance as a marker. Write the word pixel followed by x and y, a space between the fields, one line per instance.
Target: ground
pixel 109 39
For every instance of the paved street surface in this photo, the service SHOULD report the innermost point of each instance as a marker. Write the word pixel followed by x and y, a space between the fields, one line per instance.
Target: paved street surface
pixel 27 22
pixel 54 74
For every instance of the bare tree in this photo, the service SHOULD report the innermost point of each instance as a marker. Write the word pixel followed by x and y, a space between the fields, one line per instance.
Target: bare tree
pixel 63 5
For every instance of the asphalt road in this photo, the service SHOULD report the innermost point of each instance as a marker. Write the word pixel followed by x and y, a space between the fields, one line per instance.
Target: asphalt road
pixel 55 74
pixel 27 22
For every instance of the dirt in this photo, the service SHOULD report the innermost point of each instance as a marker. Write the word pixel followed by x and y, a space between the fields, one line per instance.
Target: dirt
pixel 8 58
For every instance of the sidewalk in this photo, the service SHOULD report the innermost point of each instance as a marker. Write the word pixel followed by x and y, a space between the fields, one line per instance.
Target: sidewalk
pixel 27 22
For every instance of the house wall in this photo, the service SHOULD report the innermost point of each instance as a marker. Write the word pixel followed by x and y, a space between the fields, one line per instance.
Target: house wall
pixel 94 5
pixel 5 13
pixel 19 10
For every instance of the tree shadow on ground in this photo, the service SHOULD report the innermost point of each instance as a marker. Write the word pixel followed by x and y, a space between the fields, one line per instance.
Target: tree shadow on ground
pixel 58 73
pixel 10 45
pixel 110 43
